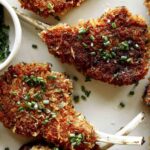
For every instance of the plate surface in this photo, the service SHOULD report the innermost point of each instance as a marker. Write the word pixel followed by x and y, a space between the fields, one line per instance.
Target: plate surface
pixel 102 107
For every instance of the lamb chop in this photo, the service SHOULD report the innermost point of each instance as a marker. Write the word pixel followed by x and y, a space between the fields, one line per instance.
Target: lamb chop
pixel 36 102
pixel 46 8
pixel 112 49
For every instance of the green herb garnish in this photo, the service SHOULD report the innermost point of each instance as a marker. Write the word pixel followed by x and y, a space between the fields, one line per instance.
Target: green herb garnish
pixel 124 46
pixel 26 96
pixel 106 41
pixel 76 139
pixel 75 78
pixel 83 97
pixel 87 79
pixel 131 93
pixel 83 31
pixel 85 45
pixel 76 98
pixel 21 109
pixel 52 77
pixel 50 6
pixel 85 91
pixel 4 42
pixel 122 105
pixel 113 25
pixel 34 46
pixel 92 38
pixel 33 81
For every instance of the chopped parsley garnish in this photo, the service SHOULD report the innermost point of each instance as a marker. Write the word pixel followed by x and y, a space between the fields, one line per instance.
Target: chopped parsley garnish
pixel 76 98
pixel 52 77
pixel 4 42
pixel 75 78
pixel 124 46
pixel 26 96
pixel 122 105
pixel 106 41
pixel 45 121
pixel 52 115
pixel 113 25
pixel 50 6
pixel 87 79
pixel 83 97
pixel 76 139
pixel 4 37
pixel 125 59
pixel 107 55
pixel 38 95
pixel 85 91
pixel 31 105
pixel 34 46
pixel 21 109
pixel 85 45
pixel 131 93
pixel 83 31
pixel 92 38
pixel 33 81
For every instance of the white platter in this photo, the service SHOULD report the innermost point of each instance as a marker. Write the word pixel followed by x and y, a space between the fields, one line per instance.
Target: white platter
pixel 102 107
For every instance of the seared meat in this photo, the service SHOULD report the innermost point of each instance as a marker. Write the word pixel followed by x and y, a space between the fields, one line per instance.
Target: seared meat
pixel 36 102
pixel 50 7
pixel 146 96
pixel 113 48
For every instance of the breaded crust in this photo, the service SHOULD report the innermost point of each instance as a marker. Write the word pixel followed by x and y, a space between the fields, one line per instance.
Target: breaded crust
pixel 36 102
pixel 42 145
pixel 50 7
pixel 113 48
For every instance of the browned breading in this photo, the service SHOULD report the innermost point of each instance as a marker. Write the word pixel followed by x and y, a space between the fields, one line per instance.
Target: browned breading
pixel 42 145
pixel 146 96
pixel 36 102
pixel 147 4
pixel 113 48
pixel 50 7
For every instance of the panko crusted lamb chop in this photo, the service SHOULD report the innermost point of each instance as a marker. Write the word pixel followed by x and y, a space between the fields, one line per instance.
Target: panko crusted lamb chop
pixel 112 49
pixel 46 8
pixel 36 102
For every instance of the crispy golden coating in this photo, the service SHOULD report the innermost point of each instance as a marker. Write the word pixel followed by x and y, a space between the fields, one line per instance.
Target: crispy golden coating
pixel 113 48
pixel 50 7
pixel 36 102
pixel 42 145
